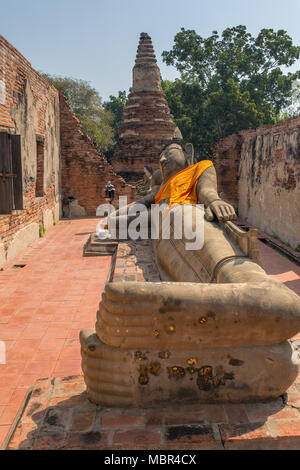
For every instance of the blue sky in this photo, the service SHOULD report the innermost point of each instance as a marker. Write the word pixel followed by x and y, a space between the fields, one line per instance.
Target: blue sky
pixel 96 40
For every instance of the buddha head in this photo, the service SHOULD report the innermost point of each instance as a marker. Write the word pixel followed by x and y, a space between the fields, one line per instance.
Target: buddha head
pixel 176 156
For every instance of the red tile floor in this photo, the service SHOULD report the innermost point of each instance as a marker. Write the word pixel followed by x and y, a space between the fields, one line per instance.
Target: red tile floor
pixel 279 267
pixel 44 305
pixel 42 308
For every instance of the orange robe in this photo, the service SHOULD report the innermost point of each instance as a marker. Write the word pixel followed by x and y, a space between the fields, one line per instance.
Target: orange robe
pixel 181 188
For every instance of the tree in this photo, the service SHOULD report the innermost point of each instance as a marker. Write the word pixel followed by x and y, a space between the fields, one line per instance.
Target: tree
pixel 294 108
pixel 187 104
pixel 229 83
pixel 115 106
pixel 86 104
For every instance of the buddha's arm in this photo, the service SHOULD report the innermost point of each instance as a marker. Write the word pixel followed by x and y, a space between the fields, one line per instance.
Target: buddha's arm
pixel 123 216
pixel 207 194
pixel 149 197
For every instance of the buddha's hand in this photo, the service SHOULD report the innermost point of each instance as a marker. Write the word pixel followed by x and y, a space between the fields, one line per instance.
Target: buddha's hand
pixel 221 209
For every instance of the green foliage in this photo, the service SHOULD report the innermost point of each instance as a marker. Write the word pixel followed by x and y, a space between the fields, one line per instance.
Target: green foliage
pixel 229 83
pixel 86 104
pixel 115 105
pixel 294 107
pixel 297 248
pixel 42 230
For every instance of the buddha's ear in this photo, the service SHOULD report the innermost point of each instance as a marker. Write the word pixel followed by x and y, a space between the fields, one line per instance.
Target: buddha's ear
pixel 189 153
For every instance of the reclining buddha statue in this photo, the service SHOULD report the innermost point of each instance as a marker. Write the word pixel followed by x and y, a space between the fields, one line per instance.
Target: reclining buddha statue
pixel 215 329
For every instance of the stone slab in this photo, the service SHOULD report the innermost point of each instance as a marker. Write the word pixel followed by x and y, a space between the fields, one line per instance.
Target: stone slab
pixel 134 262
pixel 96 247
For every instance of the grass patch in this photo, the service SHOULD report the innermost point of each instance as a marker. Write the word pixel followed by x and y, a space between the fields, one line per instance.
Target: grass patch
pixel 42 230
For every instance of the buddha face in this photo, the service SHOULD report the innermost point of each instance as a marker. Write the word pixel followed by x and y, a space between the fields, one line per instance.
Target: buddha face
pixel 172 160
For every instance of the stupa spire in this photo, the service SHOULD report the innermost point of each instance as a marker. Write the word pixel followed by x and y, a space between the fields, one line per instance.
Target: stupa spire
pixel 146 74
pixel 145 53
pixel 147 125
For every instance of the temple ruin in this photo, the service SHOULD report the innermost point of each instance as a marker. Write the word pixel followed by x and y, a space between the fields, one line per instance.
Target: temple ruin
pixel 207 337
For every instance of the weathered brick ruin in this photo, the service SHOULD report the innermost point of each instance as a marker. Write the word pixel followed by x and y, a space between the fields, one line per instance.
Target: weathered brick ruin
pixel 147 124
pixel 29 108
pixel 84 171
pixel 226 157
pixel 259 172
pixel 44 157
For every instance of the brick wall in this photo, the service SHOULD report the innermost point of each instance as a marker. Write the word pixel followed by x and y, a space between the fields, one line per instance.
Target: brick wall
pixel 259 172
pixel 29 107
pixel 226 158
pixel 15 70
pixel 269 180
pixel 85 171
pixel 40 169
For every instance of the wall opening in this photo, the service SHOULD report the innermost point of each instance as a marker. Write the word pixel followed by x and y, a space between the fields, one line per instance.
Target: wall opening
pixel 40 153
pixel 11 185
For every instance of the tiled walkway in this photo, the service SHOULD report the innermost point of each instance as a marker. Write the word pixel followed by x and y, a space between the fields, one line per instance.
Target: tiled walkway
pixel 279 267
pixel 42 308
pixel 45 304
